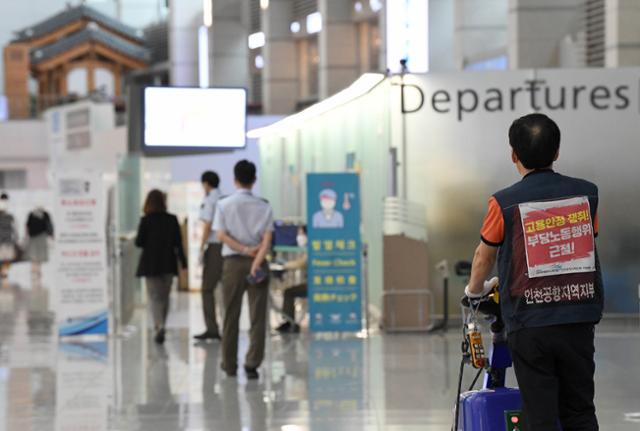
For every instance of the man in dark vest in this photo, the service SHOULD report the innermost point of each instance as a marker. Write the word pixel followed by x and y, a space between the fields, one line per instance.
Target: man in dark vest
pixel 541 231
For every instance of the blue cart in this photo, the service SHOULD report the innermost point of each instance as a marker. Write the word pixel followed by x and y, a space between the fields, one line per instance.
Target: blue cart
pixel 495 407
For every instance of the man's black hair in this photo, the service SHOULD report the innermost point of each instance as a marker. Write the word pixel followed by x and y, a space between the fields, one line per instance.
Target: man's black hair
pixel 4 196
pixel 210 178
pixel 535 138
pixel 245 173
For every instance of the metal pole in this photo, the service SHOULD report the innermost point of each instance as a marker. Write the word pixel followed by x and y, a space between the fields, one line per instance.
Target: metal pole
pixel 365 261
pixel 404 142
pixel 445 292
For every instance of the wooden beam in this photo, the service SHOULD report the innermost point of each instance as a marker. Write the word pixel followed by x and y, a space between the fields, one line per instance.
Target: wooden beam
pixel 85 49
pixel 63 58
pixel 85 63
pixel 48 38
pixel 118 58
pixel 120 35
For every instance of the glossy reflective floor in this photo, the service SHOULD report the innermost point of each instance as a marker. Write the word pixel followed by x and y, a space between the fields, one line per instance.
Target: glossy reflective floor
pixel 387 382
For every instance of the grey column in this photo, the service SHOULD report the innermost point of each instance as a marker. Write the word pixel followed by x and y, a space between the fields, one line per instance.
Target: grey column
pixel 228 50
pixel 537 29
pixel 338 46
pixel 185 17
pixel 622 33
pixel 480 29
pixel 441 35
pixel 280 73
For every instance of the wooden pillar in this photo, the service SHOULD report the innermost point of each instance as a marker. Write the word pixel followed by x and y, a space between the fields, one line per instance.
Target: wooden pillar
pixel 16 79
pixel 64 70
pixel 51 90
pixel 117 81
pixel 42 90
pixel 91 82
pixel 55 75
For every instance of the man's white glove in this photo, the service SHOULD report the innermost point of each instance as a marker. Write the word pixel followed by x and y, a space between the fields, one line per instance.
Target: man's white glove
pixel 486 289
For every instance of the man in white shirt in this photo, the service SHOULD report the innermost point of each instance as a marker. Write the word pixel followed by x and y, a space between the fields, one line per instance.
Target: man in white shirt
pixel 210 256
pixel 244 224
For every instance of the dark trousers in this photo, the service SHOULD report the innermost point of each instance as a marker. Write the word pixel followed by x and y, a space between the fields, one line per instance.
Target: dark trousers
pixel 234 284
pixel 289 302
pixel 159 290
pixel 211 275
pixel 555 368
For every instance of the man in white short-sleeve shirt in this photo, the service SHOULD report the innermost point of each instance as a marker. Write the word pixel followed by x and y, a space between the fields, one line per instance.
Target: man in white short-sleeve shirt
pixel 210 256
pixel 244 224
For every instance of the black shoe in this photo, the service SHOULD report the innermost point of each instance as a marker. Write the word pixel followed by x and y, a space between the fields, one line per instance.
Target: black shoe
pixel 288 328
pixel 159 338
pixel 252 373
pixel 285 327
pixel 207 336
pixel 229 373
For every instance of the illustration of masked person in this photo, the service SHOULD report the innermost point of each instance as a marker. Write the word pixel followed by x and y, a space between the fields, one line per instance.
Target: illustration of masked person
pixel 328 217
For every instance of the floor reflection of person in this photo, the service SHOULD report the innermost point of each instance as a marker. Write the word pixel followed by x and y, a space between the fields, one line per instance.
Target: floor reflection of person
pixel 254 394
pixel 8 236
pixel 160 398
pixel 296 291
pixel 209 373
pixel 160 238
pixel 231 419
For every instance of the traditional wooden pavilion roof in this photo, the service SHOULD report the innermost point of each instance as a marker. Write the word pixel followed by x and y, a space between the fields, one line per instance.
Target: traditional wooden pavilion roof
pixel 84 38
pixel 73 15
pixel 77 37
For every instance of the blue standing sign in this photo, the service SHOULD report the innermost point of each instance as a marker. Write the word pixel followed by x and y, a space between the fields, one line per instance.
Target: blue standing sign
pixel 334 264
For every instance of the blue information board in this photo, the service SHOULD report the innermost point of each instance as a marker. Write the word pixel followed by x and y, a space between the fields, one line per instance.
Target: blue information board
pixel 333 225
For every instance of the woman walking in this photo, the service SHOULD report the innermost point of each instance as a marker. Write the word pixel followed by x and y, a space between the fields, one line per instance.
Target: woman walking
pixel 39 230
pixel 161 242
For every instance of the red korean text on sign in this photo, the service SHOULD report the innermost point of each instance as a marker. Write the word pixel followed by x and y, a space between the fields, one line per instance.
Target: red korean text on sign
pixel 558 236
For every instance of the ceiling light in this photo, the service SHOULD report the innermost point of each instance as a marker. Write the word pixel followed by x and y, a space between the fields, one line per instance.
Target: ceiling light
pixel 256 40
pixel 259 62
pixel 314 23
pixel 207 12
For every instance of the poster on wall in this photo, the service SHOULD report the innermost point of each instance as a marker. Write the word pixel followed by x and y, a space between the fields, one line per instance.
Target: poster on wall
pixel 80 255
pixel 334 275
